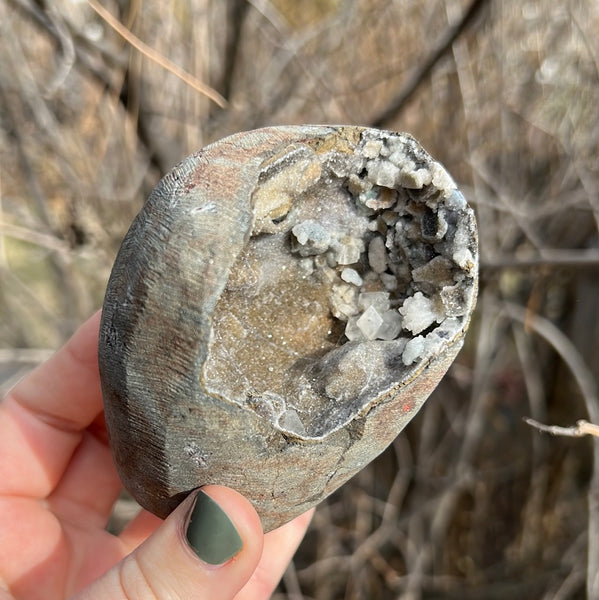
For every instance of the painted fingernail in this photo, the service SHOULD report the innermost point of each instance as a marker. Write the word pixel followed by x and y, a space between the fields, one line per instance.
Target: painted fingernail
pixel 210 532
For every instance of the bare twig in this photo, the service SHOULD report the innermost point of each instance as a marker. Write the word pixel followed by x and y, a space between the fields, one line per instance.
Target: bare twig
pixel 585 380
pixel 156 57
pixel 67 52
pixel 581 428
pixel 83 45
pixel 530 540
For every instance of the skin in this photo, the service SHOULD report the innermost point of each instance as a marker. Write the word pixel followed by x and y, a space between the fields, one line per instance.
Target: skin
pixel 58 485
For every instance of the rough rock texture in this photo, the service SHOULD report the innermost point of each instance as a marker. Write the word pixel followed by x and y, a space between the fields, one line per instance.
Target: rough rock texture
pixel 280 309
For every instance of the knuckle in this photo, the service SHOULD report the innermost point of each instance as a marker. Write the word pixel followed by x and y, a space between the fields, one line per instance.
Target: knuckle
pixel 136 582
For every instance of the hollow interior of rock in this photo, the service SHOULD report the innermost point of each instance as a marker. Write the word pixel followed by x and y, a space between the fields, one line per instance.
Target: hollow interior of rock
pixel 344 288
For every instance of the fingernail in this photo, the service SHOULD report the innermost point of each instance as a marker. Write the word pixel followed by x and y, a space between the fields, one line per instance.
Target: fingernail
pixel 210 532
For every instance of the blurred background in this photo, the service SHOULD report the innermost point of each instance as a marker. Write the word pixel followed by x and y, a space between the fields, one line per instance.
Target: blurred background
pixel 469 501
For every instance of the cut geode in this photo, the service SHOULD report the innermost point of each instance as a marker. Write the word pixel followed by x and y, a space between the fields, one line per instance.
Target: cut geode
pixel 283 305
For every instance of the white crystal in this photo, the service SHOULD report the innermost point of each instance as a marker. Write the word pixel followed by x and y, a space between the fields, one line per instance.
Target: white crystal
pixel 383 173
pixel 378 300
pixel 352 331
pixel 377 254
pixel 389 281
pixel 453 300
pixel 442 179
pixel 372 148
pixel 463 258
pixel 391 326
pixel 418 313
pixel 413 350
pixel 434 343
pixel 344 301
pixel 348 250
pixel 369 323
pixel 290 421
pixel 357 186
pixel 351 276
pixel 456 201
pixel 380 198
pixel 312 237
pixel 415 178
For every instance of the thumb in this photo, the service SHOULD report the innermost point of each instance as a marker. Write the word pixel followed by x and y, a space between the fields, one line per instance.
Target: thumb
pixel 207 548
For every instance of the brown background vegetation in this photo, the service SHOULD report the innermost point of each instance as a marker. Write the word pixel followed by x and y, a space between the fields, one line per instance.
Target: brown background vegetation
pixel 469 502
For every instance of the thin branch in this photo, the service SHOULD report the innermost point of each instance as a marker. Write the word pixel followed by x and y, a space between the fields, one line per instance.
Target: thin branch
pixel 581 428
pixel 83 45
pixel 588 387
pixel 67 52
pixel 156 57
pixel 567 351
pixel 578 259
pixel 38 238
pixel 417 77
pixel 236 13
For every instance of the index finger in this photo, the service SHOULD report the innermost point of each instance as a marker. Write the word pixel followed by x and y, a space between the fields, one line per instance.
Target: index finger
pixel 43 416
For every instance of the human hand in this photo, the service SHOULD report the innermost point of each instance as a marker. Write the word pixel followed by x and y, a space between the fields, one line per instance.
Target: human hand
pixel 58 484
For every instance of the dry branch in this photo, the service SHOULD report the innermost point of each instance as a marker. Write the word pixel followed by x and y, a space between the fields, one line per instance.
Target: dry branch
pixel 581 428
pixel 584 378
pixel 419 74
pixel 157 57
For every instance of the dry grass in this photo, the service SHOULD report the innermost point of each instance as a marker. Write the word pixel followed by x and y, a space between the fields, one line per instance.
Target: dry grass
pixel 469 502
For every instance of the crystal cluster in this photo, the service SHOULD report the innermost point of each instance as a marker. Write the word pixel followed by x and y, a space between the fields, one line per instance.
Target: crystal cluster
pixel 401 263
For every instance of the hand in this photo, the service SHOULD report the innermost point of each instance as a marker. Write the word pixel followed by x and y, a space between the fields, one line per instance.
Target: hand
pixel 58 484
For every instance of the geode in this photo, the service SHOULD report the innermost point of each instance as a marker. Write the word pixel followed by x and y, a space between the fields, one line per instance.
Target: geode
pixel 281 307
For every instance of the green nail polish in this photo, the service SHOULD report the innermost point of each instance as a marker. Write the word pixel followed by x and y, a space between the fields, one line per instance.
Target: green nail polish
pixel 210 532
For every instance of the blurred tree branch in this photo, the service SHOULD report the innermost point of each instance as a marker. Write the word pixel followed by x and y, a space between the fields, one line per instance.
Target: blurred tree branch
pixel 155 56
pixel 83 45
pixel 419 74
pixel 236 13
pixel 570 258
